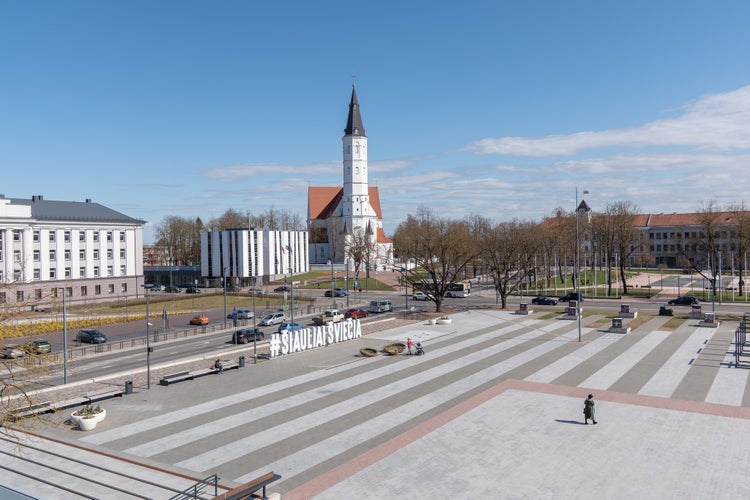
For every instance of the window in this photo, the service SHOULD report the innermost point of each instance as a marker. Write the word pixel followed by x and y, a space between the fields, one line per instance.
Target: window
pixel 96 235
pixel 97 290
pixel 52 236
pixel 67 235
pixel 81 236
pixel 52 274
pixel 84 291
pixel 16 275
pixel 37 293
pixel 109 235
pixel 109 254
pixel 96 254
pixel 36 235
pixel 81 272
pixel 124 288
pixel 19 296
pixel 110 271
pixel 122 270
pixel 96 271
pixel 111 288
pixel 37 274
pixel 122 253
pixel 81 254
pixel 36 255
pixel 16 256
pixel 67 272
pixel 52 255
pixel 16 235
pixel 122 236
pixel 67 254
pixel 2 298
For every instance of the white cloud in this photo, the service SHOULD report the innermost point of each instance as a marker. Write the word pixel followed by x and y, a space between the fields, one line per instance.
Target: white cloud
pixel 718 122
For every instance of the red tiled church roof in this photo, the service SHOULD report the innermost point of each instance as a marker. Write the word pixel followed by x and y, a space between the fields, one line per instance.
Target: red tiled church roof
pixel 323 200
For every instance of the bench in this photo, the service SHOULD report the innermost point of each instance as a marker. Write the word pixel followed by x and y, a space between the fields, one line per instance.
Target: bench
pixel 31 410
pixel 101 394
pixel 175 377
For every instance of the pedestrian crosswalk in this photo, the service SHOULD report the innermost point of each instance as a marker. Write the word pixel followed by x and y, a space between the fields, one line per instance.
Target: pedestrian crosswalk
pixel 321 416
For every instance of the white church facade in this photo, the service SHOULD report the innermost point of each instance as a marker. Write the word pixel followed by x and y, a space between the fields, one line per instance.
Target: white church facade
pixel 342 217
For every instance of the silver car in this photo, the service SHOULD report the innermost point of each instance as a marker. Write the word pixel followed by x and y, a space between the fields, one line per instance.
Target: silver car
pixel 272 319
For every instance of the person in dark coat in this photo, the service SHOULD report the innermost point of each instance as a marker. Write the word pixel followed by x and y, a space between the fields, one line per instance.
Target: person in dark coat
pixel 588 410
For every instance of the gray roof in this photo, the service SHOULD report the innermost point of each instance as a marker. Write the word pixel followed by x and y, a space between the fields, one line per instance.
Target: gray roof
pixel 354 120
pixel 74 211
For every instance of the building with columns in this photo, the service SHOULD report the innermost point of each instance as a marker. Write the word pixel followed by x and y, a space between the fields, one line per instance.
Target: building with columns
pixel 93 252
pixel 340 215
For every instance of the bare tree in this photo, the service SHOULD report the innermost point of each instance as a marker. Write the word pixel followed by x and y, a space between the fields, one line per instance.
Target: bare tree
pixel 740 237
pixel 440 248
pixel 615 234
pixel 180 238
pixel 231 219
pixel 361 249
pixel 509 248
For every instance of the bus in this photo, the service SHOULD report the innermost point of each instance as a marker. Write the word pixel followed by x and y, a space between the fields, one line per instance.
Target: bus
pixel 459 289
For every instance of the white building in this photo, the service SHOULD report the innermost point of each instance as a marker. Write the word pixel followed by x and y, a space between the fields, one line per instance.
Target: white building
pixel 92 251
pixel 250 253
pixel 336 213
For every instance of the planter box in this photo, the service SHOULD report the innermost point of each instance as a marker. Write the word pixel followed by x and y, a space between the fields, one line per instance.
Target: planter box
pixel 444 321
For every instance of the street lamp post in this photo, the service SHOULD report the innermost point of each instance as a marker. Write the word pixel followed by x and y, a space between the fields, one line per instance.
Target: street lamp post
pixel 333 284
pixel 581 209
pixel 224 282
pixel 65 338
pixel 291 299
pixel 148 343
pixel 255 328
pixel 346 282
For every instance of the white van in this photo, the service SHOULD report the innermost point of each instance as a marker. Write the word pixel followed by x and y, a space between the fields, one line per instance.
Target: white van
pixel 380 306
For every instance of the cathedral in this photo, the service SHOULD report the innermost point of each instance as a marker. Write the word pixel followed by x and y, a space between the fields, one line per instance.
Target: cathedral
pixel 341 219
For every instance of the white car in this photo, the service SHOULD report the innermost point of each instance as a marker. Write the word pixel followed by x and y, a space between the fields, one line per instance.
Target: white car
pixel 421 296
pixel 272 319
pixel 245 314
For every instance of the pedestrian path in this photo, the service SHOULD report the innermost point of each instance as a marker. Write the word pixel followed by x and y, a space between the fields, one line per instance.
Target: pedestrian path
pixel 312 414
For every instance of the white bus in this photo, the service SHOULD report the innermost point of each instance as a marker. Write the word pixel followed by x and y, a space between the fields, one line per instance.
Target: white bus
pixel 459 289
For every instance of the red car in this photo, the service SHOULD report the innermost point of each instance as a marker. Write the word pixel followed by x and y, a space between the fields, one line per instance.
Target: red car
pixel 355 313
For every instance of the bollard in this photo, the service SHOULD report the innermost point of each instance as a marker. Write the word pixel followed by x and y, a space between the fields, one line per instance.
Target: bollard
pixel 128 387
pixel 242 361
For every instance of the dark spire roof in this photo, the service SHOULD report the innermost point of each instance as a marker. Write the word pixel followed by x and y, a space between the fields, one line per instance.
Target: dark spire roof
pixel 354 121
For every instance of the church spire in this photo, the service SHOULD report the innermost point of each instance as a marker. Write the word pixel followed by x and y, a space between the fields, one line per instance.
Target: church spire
pixel 354 121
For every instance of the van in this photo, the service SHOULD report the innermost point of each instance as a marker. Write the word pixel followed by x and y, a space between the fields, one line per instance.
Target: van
pixel 379 306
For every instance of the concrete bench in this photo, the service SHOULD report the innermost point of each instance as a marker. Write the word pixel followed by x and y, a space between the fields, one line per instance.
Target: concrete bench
pixel 101 394
pixel 31 410
pixel 175 377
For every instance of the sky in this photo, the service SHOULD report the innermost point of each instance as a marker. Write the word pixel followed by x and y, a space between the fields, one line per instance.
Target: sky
pixel 503 109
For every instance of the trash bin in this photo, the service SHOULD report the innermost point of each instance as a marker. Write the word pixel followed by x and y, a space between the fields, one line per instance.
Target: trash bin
pixel 128 387
pixel 242 361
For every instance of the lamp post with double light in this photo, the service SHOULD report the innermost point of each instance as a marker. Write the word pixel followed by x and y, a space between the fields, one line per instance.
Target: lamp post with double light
pixel 581 209
pixel 65 337
pixel 148 341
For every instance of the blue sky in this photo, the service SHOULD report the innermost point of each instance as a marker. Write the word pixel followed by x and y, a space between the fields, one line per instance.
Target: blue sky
pixel 158 108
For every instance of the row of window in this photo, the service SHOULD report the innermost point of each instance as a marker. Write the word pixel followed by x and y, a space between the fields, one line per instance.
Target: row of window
pixel 81 273
pixel 66 256
pixel 66 235
pixel 686 235
pixel 21 295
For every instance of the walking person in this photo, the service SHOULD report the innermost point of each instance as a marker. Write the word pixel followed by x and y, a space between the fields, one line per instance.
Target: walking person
pixel 409 345
pixel 588 410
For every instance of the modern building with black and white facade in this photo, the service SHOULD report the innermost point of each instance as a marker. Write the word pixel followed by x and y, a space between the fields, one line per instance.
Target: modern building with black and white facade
pixel 92 252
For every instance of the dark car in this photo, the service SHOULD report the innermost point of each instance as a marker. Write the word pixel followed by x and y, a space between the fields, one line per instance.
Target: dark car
pixel 282 289
pixel 355 313
pixel 337 292
pixel 233 289
pixel 544 301
pixel 572 296
pixel 91 336
pixel 192 289
pixel 684 300
pixel 171 289
pixel 246 335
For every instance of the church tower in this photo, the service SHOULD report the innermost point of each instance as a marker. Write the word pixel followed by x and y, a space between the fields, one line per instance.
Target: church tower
pixel 356 209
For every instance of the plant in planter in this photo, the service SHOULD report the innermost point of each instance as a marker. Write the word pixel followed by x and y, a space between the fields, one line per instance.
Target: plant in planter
pixel 87 417
pixel 444 320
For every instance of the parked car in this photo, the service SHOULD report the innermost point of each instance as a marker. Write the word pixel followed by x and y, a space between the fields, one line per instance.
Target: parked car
pixel 421 296
pixel 684 300
pixel 192 289
pixel 91 336
pixel 282 289
pixel 329 316
pixel 242 314
pixel 272 319
pixel 288 325
pixel 544 301
pixel 257 291
pixel 233 289
pixel 38 346
pixel 572 296
pixel 12 352
pixel 154 287
pixel 200 320
pixel 355 313
pixel 172 289
pixel 246 335
pixel 337 292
